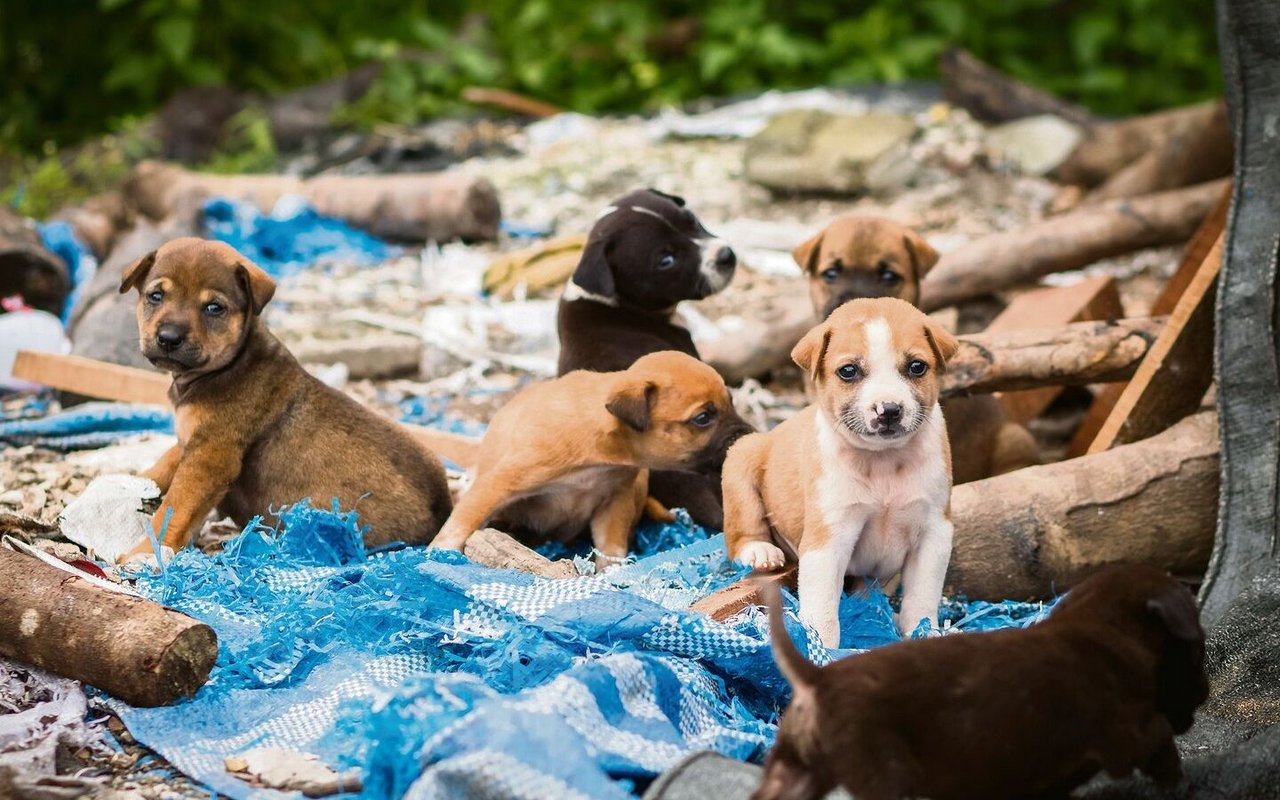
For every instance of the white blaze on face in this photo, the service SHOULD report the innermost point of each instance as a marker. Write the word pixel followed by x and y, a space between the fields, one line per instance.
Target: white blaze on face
pixel 717 277
pixel 884 382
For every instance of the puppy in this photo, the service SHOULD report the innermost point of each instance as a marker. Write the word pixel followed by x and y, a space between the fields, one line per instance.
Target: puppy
pixel 255 430
pixel 858 483
pixel 1103 684
pixel 645 254
pixel 869 257
pixel 573 453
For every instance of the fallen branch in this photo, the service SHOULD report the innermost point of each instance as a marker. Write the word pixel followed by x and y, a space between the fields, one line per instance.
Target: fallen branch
pixel 1033 533
pixel 992 96
pixel 133 649
pixel 1066 242
pixel 1079 354
pixel 416 207
pixel 509 101
pixel 493 548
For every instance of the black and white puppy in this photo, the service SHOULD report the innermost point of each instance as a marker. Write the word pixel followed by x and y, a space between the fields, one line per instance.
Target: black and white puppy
pixel 645 254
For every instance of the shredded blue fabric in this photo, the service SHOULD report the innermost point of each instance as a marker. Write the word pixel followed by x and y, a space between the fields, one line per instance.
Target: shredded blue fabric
pixel 293 237
pixel 436 677
pixel 430 411
pixel 61 240
pixel 87 426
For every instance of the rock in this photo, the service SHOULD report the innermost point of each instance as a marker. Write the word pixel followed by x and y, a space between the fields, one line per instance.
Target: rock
pixel 813 151
pixel 1035 145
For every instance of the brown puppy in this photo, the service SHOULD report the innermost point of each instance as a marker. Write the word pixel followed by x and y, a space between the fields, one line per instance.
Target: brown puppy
pixel 574 452
pixel 1103 684
pixel 859 483
pixel 255 430
pixel 870 257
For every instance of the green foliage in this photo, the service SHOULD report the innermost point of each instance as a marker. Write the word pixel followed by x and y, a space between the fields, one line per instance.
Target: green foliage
pixel 246 145
pixel 69 69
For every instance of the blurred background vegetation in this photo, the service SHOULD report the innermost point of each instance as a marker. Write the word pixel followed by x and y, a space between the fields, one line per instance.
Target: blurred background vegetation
pixel 71 69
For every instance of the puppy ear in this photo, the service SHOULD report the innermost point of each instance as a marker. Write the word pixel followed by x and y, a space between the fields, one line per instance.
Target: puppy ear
pixel 593 273
pixel 806 253
pixel 1177 611
pixel 673 198
pixel 136 273
pixel 631 403
pixel 257 283
pixel 923 256
pixel 810 350
pixel 943 344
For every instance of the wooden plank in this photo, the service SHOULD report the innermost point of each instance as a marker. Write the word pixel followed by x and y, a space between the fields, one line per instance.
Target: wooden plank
pixel 92 378
pixel 1192 257
pixel 738 595
pixel 1090 299
pixel 1172 379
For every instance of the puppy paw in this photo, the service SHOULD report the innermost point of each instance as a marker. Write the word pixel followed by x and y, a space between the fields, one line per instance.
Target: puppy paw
pixel 761 556
pixel 143 554
pixel 454 543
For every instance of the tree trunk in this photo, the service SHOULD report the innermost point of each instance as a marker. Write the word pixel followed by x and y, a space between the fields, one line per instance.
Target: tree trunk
pixel 133 649
pixel 1069 241
pixel 1035 532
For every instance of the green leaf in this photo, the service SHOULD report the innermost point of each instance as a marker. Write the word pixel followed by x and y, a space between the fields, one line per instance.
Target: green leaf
pixel 174 35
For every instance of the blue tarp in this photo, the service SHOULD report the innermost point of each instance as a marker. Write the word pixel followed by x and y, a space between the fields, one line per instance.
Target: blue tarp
pixel 436 677
pixel 86 426
pixel 60 239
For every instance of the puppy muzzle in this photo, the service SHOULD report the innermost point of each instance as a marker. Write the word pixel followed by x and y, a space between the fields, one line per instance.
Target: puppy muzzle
pixel 717 266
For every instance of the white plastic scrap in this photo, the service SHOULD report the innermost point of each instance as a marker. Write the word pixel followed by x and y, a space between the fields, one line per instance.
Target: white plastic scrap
pixel 107 518
pixel 288 770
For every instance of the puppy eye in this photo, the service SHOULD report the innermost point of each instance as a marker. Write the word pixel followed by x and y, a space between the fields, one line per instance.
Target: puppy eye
pixel 667 261
pixel 830 274
pixel 917 368
pixel 214 308
pixel 155 297
pixel 887 275
pixel 703 419
pixel 849 373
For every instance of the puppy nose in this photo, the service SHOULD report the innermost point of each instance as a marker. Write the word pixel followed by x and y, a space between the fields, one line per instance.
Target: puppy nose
pixel 725 258
pixel 890 413
pixel 170 337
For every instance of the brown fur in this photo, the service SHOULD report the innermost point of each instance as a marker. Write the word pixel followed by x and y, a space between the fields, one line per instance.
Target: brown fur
pixel 255 430
pixel 575 452
pixel 871 257
pixel 1102 685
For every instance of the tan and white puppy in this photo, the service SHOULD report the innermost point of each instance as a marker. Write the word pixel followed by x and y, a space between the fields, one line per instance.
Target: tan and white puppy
pixel 859 483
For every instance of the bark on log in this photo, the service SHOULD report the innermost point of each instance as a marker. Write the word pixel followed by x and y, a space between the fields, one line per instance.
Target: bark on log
pixel 992 96
pixel 1076 355
pixel 1069 241
pixel 414 207
pixel 763 340
pixel 1035 532
pixel 27 268
pixel 98 221
pixel 1194 151
pixel 493 548
pixel 133 649
pixel 1110 147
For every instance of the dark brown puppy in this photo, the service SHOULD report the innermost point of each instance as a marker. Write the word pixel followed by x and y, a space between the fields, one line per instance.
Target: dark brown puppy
pixel 1103 684
pixel 645 254
pixel 871 257
pixel 255 430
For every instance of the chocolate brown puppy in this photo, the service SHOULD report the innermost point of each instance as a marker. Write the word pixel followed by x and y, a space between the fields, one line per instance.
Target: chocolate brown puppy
pixel 646 253
pixel 255 430
pixel 575 452
pixel 1102 685
pixel 872 257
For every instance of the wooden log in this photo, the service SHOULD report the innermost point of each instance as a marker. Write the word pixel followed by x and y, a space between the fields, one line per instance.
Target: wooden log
pixel 1075 355
pixel 1176 373
pixel 493 548
pixel 992 96
pixel 763 338
pixel 1069 241
pixel 1193 151
pixel 1093 298
pixel 738 595
pixel 27 268
pixel 1199 246
pixel 98 379
pixel 1110 147
pixel 98 221
pixel 413 207
pixel 131 648
pixel 1033 533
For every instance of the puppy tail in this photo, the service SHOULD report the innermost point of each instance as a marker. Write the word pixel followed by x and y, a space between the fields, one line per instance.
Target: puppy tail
pixel 798 670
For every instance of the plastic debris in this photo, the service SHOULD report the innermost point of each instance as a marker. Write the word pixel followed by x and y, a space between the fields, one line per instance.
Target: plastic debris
pixel 289 771
pixel 107 519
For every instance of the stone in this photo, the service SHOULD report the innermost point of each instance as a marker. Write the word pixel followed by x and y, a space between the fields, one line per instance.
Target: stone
pixel 817 152
pixel 1033 145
